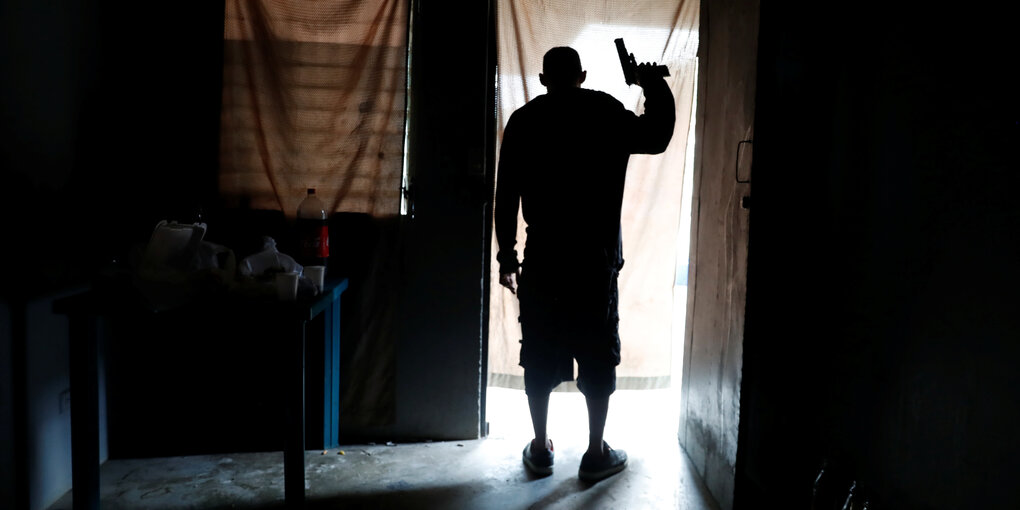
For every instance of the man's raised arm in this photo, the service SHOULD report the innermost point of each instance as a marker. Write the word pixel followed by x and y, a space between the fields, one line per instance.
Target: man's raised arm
pixel 653 130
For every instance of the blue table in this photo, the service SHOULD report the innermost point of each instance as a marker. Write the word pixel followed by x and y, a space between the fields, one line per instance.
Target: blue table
pixel 85 309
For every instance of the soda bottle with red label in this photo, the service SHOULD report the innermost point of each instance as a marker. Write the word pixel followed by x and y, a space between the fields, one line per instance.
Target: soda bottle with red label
pixel 313 231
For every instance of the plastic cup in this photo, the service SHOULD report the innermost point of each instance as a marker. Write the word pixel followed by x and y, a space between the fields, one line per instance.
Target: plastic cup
pixel 286 286
pixel 317 275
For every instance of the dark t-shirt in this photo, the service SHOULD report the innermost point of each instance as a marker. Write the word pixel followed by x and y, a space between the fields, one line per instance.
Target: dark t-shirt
pixel 564 161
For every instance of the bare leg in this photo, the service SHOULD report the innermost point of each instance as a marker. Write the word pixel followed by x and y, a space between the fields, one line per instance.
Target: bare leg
pixel 598 410
pixel 539 405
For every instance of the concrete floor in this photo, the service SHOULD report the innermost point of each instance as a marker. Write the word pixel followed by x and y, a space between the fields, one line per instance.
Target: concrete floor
pixel 477 474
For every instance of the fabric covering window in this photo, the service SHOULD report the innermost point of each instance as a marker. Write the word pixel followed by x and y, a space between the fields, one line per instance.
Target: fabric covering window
pixel 314 97
pixel 664 31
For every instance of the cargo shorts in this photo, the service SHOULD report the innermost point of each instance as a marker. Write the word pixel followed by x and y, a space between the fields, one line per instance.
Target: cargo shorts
pixel 566 317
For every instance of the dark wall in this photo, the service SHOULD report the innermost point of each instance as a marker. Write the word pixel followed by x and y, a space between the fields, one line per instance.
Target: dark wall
pixel 108 122
pixel 111 122
pixel 40 101
pixel 881 328
pixel 151 113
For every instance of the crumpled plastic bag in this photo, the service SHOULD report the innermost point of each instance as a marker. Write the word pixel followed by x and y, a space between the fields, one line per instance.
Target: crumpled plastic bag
pixel 268 262
pixel 260 270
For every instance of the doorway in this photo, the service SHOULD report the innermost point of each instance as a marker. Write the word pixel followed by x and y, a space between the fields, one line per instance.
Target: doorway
pixel 656 222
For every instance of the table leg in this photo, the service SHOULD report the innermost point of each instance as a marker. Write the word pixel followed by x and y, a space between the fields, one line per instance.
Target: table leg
pixel 331 432
pixel 294 446
pixel 84 411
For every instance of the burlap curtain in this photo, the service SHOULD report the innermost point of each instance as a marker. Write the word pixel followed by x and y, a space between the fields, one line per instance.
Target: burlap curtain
pixel 665 31
pixel 314 96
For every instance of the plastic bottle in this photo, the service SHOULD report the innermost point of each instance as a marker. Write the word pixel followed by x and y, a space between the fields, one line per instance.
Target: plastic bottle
pixel 313 231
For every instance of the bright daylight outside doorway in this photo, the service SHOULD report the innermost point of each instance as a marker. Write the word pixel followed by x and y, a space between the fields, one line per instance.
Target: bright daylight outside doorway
pixel 642 421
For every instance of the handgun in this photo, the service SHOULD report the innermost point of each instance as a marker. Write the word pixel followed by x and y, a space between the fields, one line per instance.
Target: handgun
pixel 630 64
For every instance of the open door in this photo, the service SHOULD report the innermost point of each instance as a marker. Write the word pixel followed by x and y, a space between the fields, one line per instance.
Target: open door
pixel 719 240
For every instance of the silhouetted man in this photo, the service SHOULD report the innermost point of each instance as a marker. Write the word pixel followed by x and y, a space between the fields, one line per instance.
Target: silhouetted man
pixel 564 161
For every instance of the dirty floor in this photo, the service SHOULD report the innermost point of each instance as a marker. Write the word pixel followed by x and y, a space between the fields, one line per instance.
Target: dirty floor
pixel 477 474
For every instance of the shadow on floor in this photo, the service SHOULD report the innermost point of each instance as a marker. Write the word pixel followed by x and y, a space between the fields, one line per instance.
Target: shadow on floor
pixel 478 496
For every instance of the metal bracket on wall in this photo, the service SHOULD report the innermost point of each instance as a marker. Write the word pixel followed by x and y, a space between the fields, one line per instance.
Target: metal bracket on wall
pixel 745 202
pixel 736 170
